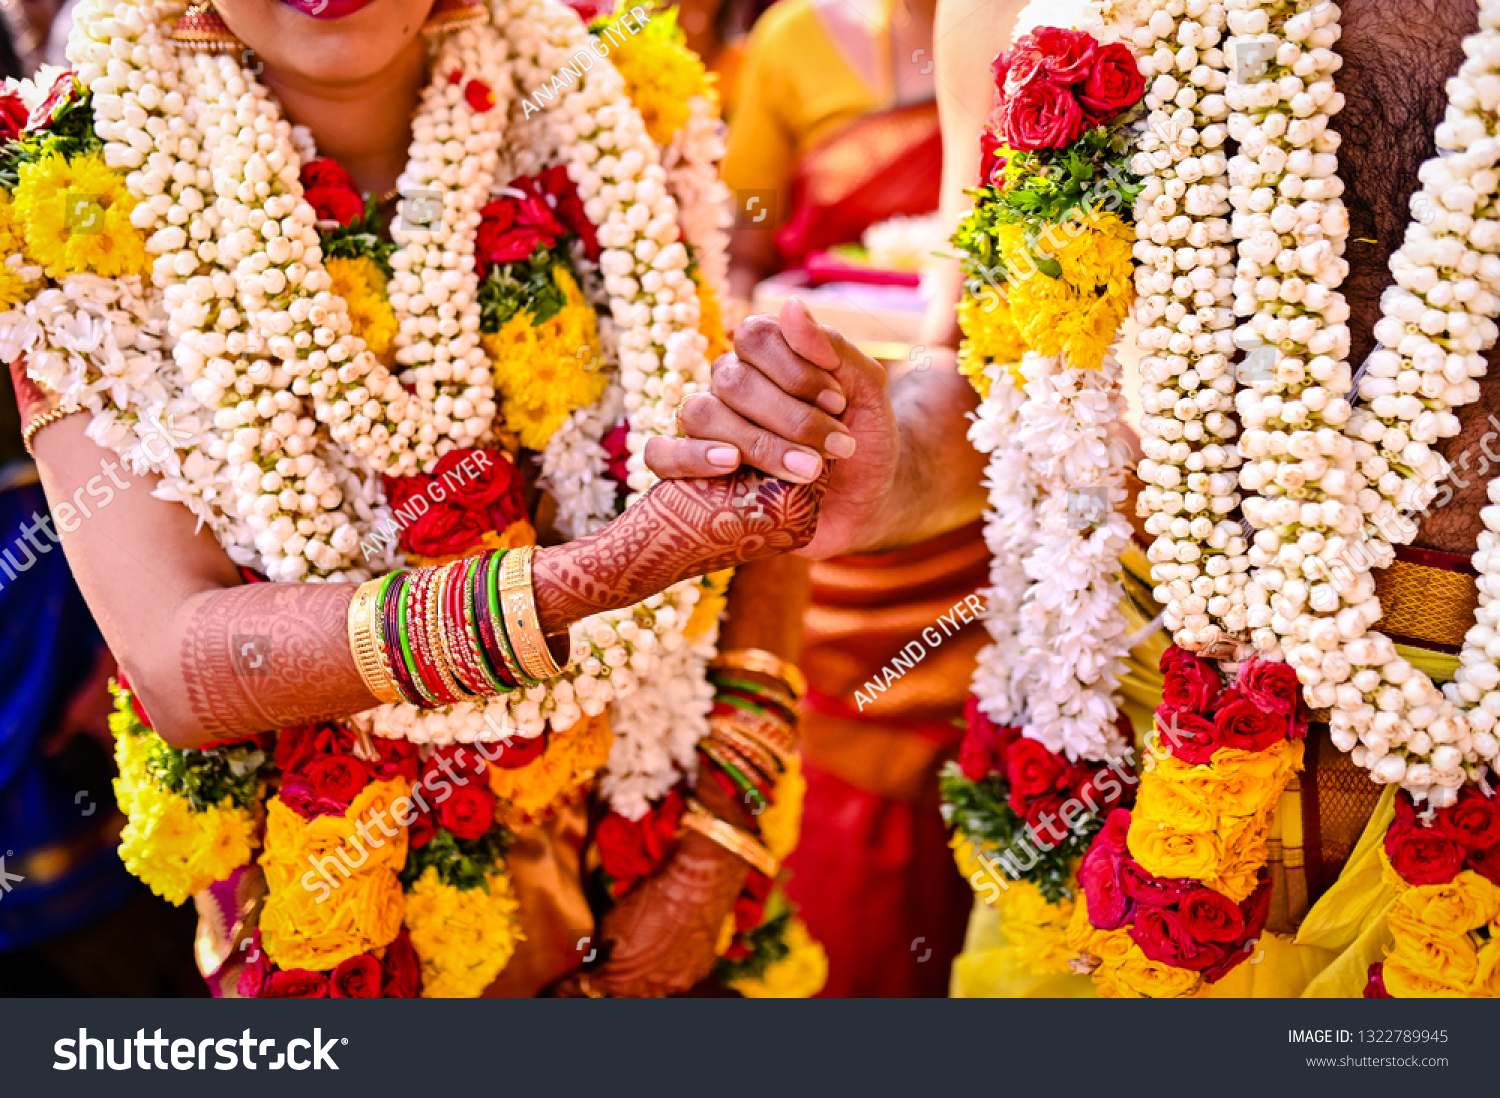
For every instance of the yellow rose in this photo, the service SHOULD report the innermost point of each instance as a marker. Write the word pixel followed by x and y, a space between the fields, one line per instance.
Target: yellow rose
pixel 1449 960
pixel 1153 979
pixel 377 903
pixel 1465 903
pixel 1166 852
pixel 1406 979
pixel 1486 983
pixel 1178 805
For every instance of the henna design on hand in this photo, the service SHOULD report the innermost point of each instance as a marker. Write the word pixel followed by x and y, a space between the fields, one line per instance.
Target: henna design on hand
pixel 268 655
pixel 679 529
pixel 663 933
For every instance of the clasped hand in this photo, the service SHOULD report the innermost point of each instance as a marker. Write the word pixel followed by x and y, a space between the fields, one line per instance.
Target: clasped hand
pixel 793 395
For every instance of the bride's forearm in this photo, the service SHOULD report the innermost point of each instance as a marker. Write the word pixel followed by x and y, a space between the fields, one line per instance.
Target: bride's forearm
pixel 682 528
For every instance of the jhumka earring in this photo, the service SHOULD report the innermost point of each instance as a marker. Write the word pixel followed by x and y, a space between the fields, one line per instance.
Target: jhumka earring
pixel 448 15
pixel 203 29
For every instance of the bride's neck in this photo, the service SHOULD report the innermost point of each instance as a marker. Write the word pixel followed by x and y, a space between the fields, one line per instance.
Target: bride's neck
pixel 365 125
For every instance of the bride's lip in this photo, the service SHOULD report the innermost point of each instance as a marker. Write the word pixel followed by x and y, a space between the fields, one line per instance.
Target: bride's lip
pixel 328 9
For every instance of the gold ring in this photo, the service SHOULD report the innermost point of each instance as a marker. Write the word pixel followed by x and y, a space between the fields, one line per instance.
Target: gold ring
pixel 677 415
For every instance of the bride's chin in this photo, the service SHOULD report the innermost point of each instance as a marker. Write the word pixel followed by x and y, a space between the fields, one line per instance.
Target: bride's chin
pixel 328 41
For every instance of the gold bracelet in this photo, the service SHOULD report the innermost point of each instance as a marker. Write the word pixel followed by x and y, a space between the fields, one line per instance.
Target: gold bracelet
pixel 777 737
pixel 753 751
pixel 741 845
pixel 522 626
pixel 367 655
pixel 46 419
pixel 762 662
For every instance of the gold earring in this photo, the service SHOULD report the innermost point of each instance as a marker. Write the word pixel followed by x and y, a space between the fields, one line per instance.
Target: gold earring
pixel 203 29
pixel 448 15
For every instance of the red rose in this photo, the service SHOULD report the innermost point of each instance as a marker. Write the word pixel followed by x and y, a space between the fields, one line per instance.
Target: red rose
pixel 398 758
pixel 1192 685
pixel 1162 937
pixel 1099 875
pixel 1211 916
pixel 1269 685
pixel 520 752
pixel 1114 83
pixel 1044 817
pixel 331 192
pixel 985 745
pixel 1100 788
pixel 296 983
pixel 1422 855
pixel 469 813
pixel 999 67
pixel 403 971
pixel 564 200
pixel 478 477
pixel 443 531
pixel 294 746
pixel 1067 56
pixel 1144 888
pixel 1474 821
pixel 357 978
pixel 41 117
pixel 1253 910
pixel 632 849
pixel 1375 983
pixel 338 777
pixel 748 914
pixel 257 971
pixel 1486 863
pixel 1113 834
pixel 511 228
pixel 302 799
pixel 479 96
pixel 991 163
pixel 421 830
pixel 1042 115
pixel 758 885
pixel 1189 737
pixel 1242 724
pixel 1031 769
pixel 400 491
pixel 12 117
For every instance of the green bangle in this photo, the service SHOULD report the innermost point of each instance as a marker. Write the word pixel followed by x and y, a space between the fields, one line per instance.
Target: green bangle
pixel 406 656
pixel 507 654
pixel 736 775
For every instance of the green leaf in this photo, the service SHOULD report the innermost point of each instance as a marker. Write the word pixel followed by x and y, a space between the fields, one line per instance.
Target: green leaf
pixel 528 285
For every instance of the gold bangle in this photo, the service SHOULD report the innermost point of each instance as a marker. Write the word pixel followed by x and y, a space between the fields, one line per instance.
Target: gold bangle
pixel 522 626
pixel 754 752
pixel 46 419
pixel 436 616
pixel 762 662
pixel 366 649
pixel 741 845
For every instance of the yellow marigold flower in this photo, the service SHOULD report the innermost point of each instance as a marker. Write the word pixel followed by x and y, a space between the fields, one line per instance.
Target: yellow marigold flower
pixel 14 290
pixel 173 849
pixel 1036 929
pixel 462 937
pixel 570 760
pixel 545 371
pixel 76 218
pixel 711 321
pixel 661 76
pixel 990 335
pixel 801 974
pixel 711 603
pixel 781 822
pixel 12 235
pixel 361 283
pixel 1078 313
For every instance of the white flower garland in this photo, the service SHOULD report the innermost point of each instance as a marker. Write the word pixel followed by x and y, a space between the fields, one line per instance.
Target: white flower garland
pixel 1057 640
pixel 216 171
pixel 1329 480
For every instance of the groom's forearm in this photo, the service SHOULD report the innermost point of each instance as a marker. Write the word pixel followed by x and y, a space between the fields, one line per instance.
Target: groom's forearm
pixel 939 476
pixel 680 529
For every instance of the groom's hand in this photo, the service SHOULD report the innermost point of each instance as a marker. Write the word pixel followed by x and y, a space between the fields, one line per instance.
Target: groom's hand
pixel 791 396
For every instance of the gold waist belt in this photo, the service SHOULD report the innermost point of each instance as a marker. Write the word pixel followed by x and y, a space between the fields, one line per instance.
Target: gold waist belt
pixel 1427 598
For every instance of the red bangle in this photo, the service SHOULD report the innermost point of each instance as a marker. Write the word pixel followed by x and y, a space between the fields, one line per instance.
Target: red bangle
pixel 419 617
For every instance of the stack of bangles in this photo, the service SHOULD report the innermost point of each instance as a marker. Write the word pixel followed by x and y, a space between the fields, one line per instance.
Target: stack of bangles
pixel 441 635
pixel 751 740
